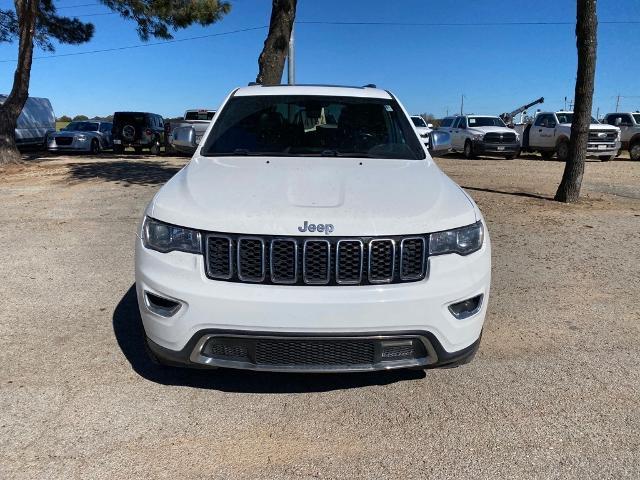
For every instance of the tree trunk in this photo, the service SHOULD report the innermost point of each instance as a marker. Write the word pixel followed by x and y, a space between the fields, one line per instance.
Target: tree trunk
pixel 586 41
pixel 27 12
pixel 274 52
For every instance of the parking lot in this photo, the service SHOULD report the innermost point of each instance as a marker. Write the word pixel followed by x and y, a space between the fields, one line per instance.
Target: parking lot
pixel 552 393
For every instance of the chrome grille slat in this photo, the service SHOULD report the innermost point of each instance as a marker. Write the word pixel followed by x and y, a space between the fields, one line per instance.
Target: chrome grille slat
pixel 219 262
pixel 308 261
pixel 349 261
pixel 283 258
pixel 316 262
pixel 412 258
pixel 251 259
pixel 382 260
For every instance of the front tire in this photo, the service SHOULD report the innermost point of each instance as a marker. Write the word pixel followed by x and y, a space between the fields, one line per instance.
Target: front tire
pixel 95 147
pixel 546 155
pixel 155 148
pixel 634 151
pixel 562 151
pixel 468 150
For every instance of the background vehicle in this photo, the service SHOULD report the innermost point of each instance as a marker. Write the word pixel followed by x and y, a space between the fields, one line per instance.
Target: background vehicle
pixel 138 130
pixel 82 136
pixel 312 231
pixel 509 117
pixel 629 125
pixel 475 135
pixel 423 129
pixel 548 133
pixel 35 123
pixel 186 135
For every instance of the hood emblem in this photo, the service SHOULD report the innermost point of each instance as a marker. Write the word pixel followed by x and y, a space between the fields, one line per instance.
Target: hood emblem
pixel 602 134
pixel 327 228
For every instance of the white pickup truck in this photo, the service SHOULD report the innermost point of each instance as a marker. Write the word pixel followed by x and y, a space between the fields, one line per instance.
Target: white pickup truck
pixel 629 124
pixel 475 135
pixel 548 133
pixel 186 136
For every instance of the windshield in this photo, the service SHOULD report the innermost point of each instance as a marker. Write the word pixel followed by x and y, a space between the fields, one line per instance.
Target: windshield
pixel 305 125
pixel 82 127
pixel 200 115
pixel 568 118
pixel 485 122
pixel 418 121
pixel 636 117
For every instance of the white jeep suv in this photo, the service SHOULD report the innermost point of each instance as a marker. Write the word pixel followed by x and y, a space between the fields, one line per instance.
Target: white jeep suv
pixel 311 231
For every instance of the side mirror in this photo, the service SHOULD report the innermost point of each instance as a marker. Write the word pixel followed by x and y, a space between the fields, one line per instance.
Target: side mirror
pixel 429 125
pixel 440 142
pixel 617 122
pixel 184 137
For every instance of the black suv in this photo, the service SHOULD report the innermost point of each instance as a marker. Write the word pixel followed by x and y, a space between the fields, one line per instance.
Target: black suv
pixel 138 130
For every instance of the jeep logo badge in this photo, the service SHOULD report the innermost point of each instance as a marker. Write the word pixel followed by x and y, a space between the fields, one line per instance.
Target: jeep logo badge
pixel 327 228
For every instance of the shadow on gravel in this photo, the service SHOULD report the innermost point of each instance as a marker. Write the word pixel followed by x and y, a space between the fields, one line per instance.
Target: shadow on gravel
pixel 515 194
pixel 127 327
pixel 139 172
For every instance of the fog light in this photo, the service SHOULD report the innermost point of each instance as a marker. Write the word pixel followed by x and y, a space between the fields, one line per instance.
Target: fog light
pixel 162 306
pixel 466 308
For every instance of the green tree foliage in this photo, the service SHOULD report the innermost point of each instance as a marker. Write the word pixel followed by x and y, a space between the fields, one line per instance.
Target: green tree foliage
pixel 36 23
pixel 80 118
pixel 63 118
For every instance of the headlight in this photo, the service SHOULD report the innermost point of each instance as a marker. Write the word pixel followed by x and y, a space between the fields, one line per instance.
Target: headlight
pixel 479 137
pixel 166 238
pixel 618 135
pixel 463 240
pixel 81 138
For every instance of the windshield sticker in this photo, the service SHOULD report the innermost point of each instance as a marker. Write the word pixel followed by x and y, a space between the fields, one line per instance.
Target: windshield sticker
pixel 388 108
pixel 472 121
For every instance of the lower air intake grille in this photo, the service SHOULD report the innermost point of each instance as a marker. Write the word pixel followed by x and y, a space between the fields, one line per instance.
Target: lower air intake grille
pixel 64 140
pixel 324 353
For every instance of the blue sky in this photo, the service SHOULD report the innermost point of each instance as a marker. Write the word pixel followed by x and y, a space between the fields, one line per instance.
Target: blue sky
pixel 497 68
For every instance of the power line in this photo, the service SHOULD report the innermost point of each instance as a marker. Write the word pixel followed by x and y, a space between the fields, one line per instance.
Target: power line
pixel 128 47
pixel 461 24
pixel 431 24
pixel 94 4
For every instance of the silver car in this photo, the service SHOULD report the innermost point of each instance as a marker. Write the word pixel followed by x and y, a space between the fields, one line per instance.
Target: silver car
pixel 82 136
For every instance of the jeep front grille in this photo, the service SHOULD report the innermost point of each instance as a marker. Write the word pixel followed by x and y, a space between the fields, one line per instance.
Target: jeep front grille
pixel 316 261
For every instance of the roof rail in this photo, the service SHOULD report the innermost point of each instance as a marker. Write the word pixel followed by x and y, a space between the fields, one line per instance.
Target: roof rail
pixel 370 85
pixel 253 84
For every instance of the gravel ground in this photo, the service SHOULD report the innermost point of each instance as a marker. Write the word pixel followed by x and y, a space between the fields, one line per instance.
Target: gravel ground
pixel 553 393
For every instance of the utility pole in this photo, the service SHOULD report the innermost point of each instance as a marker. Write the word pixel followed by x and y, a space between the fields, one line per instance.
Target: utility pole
pixel 447 112
pixel 291 60
pixel 462 104
pixel 617 102
pixel 598 113
pixel 565 104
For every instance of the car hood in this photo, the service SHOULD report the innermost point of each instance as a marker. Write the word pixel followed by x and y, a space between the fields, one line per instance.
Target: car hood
pixel 490 129
pixel 66 133
pixel 595 126
pixel 423 130
pixel 276 195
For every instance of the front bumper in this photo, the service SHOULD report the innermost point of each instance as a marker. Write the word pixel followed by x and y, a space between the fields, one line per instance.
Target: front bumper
pixel 480 147
pixel 603 149
pixel 75 146
pixel 383 312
